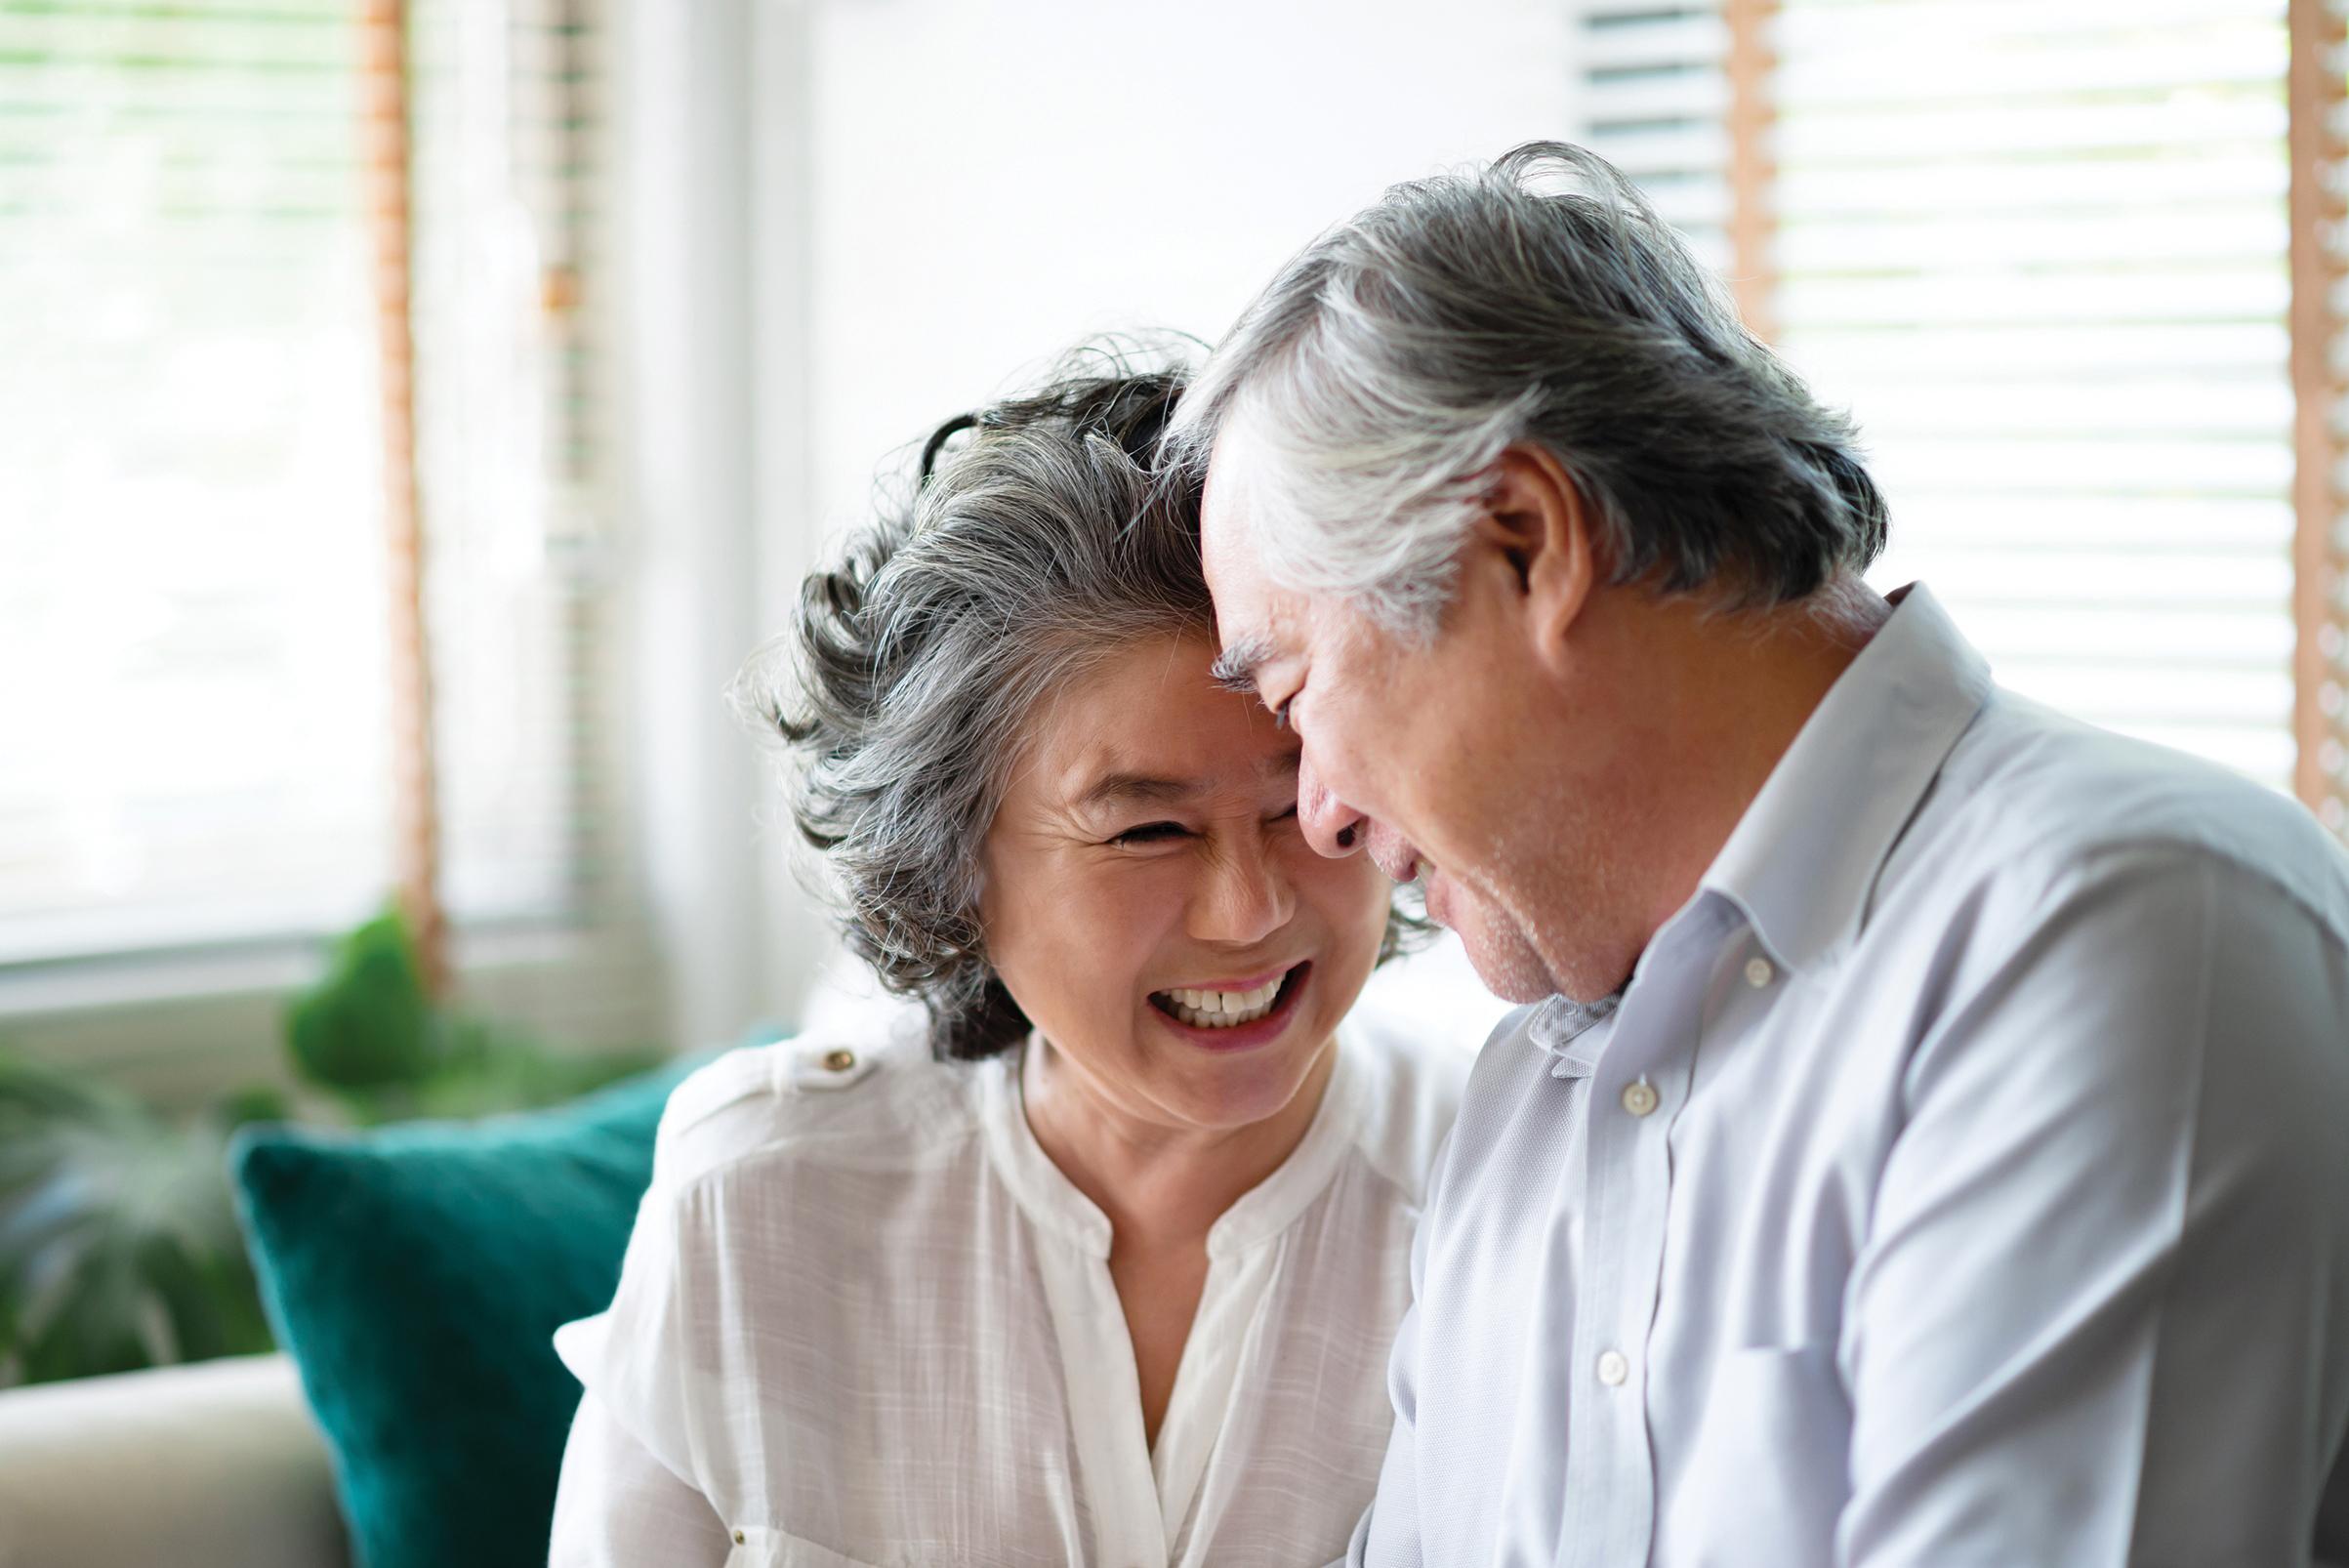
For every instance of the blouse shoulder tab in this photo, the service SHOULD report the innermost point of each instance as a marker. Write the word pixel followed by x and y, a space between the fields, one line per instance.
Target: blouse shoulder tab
pixel 826 1066
pixel 750 1098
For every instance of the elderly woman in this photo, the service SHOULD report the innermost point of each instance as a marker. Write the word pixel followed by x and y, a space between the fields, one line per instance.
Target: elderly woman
pixel 1099 1261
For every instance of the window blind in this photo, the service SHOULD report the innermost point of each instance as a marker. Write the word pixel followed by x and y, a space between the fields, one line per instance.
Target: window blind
pixel 191 553
pixel 2040 249
pixel 1655 102
pixel 191 614
pixel 506 109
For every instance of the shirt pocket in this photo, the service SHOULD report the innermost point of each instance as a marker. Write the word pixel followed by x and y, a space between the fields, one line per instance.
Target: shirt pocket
pixel 772 1548
pixel 1769 1470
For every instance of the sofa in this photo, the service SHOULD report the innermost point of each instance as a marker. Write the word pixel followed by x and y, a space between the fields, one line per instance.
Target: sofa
pixel 219 1464
pixel 415 1414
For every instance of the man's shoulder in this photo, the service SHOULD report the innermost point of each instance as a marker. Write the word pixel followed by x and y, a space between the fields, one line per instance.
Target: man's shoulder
pixel 1515 1060
pixel 2031 803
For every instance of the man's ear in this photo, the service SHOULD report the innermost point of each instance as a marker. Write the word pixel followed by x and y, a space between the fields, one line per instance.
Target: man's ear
pixel 1536 521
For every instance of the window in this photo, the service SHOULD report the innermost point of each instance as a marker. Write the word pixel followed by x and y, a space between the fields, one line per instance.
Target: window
pixel 2043 253
pixel 190 601
pixel 195 595
pixel 510 444
pixel 1655 102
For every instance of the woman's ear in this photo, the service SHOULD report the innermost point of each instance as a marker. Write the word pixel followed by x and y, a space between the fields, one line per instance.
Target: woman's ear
pixel 1536 521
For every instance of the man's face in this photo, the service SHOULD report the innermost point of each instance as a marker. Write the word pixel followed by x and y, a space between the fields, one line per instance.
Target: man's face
pixel 1409 750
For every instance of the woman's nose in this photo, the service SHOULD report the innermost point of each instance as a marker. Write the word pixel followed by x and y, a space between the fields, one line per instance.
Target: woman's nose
pixel 1331 827
pixel 1247 897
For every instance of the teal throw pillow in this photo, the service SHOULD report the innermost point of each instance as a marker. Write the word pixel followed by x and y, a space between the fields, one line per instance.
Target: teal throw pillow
pixel 415 1273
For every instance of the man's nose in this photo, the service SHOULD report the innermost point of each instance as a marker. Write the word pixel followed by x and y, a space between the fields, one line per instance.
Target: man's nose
pixel 1331 827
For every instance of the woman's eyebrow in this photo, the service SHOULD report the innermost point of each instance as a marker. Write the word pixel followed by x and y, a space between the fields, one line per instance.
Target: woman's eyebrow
pixel 1235 668
pixel 1138 789
pixel 1152 789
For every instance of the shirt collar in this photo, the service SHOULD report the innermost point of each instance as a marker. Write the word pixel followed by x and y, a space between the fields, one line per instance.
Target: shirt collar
pixel 1803 860
pixel 1569 1031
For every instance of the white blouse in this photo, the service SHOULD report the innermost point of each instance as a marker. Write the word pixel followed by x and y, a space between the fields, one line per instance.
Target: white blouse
pixel 865 1320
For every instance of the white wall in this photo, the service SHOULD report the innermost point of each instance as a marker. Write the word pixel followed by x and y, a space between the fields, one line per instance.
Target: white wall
pixel 951 192
pixel 989 181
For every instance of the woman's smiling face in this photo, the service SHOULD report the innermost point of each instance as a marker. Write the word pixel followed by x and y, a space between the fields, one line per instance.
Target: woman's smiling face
pixel 1152 906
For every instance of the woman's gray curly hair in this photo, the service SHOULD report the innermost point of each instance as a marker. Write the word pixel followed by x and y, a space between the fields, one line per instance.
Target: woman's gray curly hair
pixel 1038 536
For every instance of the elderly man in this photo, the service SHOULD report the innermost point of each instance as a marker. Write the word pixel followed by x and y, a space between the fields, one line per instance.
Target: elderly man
pixel 1929 1142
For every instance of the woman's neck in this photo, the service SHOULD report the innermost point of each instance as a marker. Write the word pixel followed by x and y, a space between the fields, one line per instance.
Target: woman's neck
pixel 1158 1182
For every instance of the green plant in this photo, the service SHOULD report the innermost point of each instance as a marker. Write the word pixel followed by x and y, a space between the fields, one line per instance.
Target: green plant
pixel 371 1036
pixel 119 1245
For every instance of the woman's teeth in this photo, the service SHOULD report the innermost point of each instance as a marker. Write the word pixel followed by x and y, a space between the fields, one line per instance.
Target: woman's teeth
pixel 1222 1009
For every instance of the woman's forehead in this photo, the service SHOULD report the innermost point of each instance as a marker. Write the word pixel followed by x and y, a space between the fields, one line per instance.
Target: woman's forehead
pixel 1150 725
pixel 1108 782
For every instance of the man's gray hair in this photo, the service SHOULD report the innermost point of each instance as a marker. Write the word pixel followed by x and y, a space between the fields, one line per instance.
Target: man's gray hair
pixel 1538 299
pixel 1036 538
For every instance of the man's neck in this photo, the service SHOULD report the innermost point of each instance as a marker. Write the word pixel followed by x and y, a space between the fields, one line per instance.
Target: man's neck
pixel 1735 690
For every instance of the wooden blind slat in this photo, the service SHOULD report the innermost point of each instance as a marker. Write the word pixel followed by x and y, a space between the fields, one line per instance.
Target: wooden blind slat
pixel 1752 112
pixel 416 843
pixel 2320 770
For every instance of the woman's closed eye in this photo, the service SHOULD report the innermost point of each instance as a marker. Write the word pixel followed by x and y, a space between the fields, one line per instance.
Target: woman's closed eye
pixel 1152 833
pixel 1166 832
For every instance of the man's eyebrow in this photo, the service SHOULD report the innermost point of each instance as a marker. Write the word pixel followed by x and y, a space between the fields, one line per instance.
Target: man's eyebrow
pixel 1235 668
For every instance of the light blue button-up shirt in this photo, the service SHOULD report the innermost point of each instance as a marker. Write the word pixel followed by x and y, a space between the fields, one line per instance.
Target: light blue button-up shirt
pixel 1962 1180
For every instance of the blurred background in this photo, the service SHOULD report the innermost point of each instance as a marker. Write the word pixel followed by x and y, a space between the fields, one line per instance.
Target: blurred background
pixel 411 415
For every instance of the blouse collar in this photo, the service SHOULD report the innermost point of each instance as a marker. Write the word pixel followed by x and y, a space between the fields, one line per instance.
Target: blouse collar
pixel 1053 1202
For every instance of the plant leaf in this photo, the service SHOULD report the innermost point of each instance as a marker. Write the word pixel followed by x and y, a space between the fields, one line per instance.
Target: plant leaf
pixel 369 1021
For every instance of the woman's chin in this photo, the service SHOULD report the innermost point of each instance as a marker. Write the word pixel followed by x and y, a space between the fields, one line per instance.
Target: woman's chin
pixel 1237 1092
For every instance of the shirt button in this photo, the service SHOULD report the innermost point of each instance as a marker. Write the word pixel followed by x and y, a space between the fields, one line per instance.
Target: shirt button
pixel 1639 1098
pixel 1612 1369
pixel 838 1061
pixel 738 1538
pixel 1759 972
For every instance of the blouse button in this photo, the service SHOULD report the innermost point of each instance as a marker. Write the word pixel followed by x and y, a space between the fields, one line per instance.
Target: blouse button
pixel 738 1538
pixel 838 1061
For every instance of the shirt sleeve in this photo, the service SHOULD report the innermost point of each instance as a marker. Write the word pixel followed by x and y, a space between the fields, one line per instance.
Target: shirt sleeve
pixel 2110 1246
pixel 617 1507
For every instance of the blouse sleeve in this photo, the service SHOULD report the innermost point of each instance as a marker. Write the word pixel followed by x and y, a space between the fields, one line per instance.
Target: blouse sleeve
pixel 646 1450
pixel 636 1356
pixel 617 1507
pixel 631 1490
